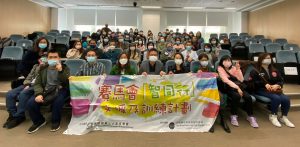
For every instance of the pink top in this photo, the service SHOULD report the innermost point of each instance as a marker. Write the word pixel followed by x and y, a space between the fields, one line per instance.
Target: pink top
pixel 234 72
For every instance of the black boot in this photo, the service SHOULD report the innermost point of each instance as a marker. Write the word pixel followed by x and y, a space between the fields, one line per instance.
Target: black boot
pixel 212 129
pixel 223 121
pixel 10 118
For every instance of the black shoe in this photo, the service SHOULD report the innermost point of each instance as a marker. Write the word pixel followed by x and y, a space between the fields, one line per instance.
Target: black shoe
pixel 223 121
pixel 36 127
pixel 55 127
pixel 10 118
pixel 212 129
pixel 15 122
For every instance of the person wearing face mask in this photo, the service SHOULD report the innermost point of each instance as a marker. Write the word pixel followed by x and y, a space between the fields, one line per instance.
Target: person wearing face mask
pixel 215 45
pixel 150 45
pixel 140 45
pixel 233 78
pixel 21 93
pixel 268 82
pixel 178 45
pixel 52 76
pixel 178 68
pixel 161 44
pixel 31 57
pixel 105 43
pixel 110 53
pixel 123 66
pixel 106 29
pixel 92 46
pixel 121 43
pixel 195 43
pixel 134 53
pixel 92 67
pixel 204 64
pixel 167 53
pixel 152 66
pixel 76 52
pixel 200 38
pixel 189 55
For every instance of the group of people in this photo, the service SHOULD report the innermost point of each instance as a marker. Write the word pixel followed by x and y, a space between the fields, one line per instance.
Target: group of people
pixel 45 73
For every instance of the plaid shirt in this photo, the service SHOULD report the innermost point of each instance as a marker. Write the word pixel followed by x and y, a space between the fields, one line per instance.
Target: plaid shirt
pixel 91 69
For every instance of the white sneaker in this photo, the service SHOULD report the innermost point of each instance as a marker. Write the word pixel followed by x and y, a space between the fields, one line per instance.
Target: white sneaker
pixel 286 121
pixel 274 120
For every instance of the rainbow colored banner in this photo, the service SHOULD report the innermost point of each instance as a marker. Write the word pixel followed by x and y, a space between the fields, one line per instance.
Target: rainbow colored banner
pixel 172 103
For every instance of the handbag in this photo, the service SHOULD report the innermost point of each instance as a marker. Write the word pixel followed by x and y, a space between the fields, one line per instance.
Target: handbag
pixel 277 91
pixel 50 95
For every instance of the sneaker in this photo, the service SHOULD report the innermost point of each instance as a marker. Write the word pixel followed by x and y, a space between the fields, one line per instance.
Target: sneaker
pixel 36 127
pixel 15 122
pixel 10 118
pixel 286 121
pixel 55 127
pixel 234 121
pixel 274 120
pixel 252 121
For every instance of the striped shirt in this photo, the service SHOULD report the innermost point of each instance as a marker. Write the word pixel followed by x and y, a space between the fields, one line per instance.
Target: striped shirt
pixel 91 69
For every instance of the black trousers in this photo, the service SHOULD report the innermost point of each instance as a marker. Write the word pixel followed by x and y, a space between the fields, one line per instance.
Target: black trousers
pixel 235 102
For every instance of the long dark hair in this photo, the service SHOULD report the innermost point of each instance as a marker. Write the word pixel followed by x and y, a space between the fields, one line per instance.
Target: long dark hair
pixel 36 45
pixel 134 52
pixel 119 65
pixel 261 57
pixel 214 38
pixel 81 49
pixel 226 57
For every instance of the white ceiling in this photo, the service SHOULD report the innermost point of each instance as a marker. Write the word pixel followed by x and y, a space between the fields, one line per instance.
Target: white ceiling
pixel 239 5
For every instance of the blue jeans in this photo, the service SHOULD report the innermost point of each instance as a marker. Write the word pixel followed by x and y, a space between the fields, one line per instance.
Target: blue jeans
pixel 34 108
pixel 276 100
pixel 20 94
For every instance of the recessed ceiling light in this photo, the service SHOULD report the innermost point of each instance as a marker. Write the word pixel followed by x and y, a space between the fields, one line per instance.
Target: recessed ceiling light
pixel 193 7
pixel 230 8
pixel 151 7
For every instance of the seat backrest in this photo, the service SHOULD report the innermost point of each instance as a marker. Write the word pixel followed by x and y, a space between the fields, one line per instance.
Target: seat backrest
pixel 12 52
pixel 258 37
pixel 25 43
pixel 234 41
pixel 273 47
pixel 50 38
pixel 65 32
pixel 39 33
pixel 281 41
pixel 86 33
pixel 223 53
pixel 248 71
pixel 298 56
pixel 233 37
pixel 16 37
pixel 214 35
pixel 62 40
pixel 52 34
pixel 55 31
pixel 256 48
pixel 233 34
pixel 169 63
pixel 243 34
pixel 292 47
pixel 286 56
pixel 76 32
pixel 108 65
pixel 134 64
pixel 223 34
pixel 265 42
pixel 245 37
pixel 250 41
pixel 74 65
pixel 76 36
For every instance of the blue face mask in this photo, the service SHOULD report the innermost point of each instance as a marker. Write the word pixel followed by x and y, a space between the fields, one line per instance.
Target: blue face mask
pixel 42 45
pixel 52 62
pixel 91 59
pixel 177 42
pixel 188 48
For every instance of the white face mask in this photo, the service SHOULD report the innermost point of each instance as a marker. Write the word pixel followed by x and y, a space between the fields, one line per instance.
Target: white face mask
pixel 112 47
pixel 140 42
pixel 150 47
pixel 204 63
pixel 153 58
pixel 227 64
pixel 213 42
pixel 266 61
pixel 78 46
pixel 132 48
pixel 178 61
pixel 123 61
